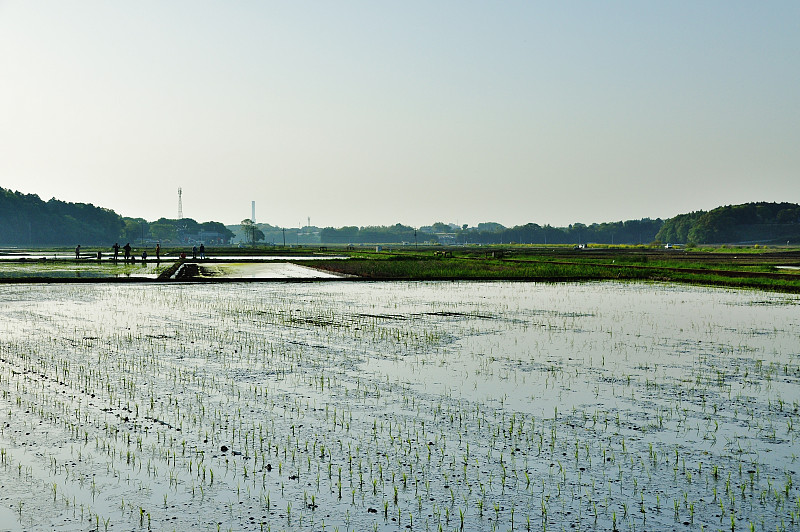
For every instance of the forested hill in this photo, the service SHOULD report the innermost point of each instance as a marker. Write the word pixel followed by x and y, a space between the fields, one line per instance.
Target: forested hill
pixel 747 223
pixel 26 220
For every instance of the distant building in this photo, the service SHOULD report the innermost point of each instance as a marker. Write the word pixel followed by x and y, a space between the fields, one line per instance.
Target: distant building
pixel 211 237
pixel 446 238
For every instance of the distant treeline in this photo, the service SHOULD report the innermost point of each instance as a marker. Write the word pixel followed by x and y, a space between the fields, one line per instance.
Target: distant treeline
pixel 747 223
pixel 27 220
pixel 170 231
pixel 628 232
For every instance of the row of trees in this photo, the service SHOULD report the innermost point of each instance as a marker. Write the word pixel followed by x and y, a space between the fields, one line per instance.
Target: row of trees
pixel 370 234
pixel 183 231
pixel 27 220
pixel 750 222
pixel 629 232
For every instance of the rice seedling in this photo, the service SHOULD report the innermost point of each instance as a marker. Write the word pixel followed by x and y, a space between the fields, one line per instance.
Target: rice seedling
pixel 415 397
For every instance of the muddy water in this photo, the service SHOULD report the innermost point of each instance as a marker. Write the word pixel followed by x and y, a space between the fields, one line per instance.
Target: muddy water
pixel 390 405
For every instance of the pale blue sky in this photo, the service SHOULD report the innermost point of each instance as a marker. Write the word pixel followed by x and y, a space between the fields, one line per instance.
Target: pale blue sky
pixel 373 113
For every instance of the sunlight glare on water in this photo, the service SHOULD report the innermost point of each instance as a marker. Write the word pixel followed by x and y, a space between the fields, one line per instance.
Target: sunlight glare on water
pixel 385 405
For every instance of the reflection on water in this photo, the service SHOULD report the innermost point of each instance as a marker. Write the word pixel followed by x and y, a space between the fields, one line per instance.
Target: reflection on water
pixel 279 258
pixel 268 270
pixel 267 267
pixel 458 405
pixel 87 269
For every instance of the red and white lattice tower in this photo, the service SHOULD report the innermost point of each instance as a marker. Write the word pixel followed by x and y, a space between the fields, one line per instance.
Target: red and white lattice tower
pixel 180 204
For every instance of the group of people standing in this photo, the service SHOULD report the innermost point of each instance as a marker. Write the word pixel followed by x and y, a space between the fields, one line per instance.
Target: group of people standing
pixel 127 252
pixel 128 257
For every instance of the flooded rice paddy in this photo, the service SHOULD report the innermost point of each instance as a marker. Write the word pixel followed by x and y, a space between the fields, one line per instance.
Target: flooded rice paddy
pixel 64 269
pixel 43 269
pixel 387 406
pixel 260 270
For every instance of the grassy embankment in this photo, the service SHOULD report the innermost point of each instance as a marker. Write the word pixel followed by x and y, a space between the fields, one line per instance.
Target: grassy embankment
pixel 749 270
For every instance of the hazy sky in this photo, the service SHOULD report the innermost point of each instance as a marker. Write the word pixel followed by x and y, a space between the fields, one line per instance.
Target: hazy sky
pixel 373 113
